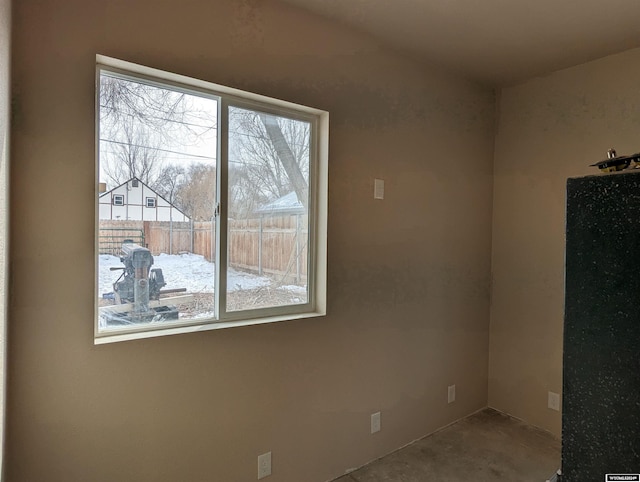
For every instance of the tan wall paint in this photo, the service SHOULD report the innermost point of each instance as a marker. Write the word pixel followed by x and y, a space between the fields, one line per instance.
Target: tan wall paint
pixel 5 40
pixel 549 129
pixel 408 295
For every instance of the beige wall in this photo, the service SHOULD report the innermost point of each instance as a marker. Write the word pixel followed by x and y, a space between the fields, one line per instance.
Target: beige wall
pixel 549 129
pixel 408 296
pixel 5 39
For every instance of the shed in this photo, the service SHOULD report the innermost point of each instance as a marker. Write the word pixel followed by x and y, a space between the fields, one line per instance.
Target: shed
pixel 135 201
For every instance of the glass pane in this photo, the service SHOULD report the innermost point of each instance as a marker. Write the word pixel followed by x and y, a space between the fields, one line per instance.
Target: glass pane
pixel 157 168
pixel 268 232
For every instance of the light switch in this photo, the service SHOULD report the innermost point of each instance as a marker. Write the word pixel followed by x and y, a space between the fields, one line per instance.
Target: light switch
pixel 378 189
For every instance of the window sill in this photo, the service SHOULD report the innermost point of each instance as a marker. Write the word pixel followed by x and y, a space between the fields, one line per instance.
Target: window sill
pixel 177 330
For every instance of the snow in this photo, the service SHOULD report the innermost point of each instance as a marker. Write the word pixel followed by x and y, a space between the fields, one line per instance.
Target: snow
pixel 301 290
pixel 190 271
pixel 286 203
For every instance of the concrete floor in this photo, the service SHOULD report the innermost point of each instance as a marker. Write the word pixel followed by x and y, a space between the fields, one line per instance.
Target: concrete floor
pixel 485 447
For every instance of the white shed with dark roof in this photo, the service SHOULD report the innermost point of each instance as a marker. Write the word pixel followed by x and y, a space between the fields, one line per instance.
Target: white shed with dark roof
pixel 135 201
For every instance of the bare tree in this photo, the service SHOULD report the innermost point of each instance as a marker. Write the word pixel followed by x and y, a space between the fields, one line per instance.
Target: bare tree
pixel 168 113
pixel 170 181
pixel 131 152
pixel 269 158
pixel 286 156
pixel 143 128
pixel 244 198
pixel 196 194
pixel 141 125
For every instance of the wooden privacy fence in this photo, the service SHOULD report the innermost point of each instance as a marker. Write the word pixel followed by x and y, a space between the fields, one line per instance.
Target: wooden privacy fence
pixel 273 245
pixel 175 238
pixel 112 234
pixel 269 245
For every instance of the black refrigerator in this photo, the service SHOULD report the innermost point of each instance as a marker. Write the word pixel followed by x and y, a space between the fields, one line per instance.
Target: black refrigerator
pixel 601 360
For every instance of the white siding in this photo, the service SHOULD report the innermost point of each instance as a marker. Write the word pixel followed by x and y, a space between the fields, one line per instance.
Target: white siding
pixel 135 205
pixel 134 194
pixel 104 210
pixel 133 212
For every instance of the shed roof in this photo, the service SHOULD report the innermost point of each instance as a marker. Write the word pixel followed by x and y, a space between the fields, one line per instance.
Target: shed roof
pixel 287 204
pixel 173 206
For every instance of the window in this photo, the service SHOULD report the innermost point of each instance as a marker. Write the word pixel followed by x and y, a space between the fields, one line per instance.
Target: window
pixel 241 238
pixel 118 200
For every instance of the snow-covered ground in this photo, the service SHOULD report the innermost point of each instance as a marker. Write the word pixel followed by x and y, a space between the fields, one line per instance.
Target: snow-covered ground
pixel 190 271
pixel 195 273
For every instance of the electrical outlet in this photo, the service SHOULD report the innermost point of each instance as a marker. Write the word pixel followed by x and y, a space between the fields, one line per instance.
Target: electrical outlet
pixel 375 422
pixel 451 394
pixel 554 401
pixel 264 465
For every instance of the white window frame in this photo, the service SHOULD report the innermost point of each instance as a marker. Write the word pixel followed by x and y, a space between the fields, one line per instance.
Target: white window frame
pixel 318 203
pixel 153 200
pixel 116 197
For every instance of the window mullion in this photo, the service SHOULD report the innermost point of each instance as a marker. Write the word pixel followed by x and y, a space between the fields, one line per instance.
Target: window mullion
pixel 222 250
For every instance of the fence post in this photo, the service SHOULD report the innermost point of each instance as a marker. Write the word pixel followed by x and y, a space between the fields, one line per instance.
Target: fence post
pixel 192 240
pixel 171 235
pixel 146 233
pixel 260 245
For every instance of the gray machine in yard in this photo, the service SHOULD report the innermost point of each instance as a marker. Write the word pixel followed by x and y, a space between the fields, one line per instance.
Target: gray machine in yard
pixel 139 287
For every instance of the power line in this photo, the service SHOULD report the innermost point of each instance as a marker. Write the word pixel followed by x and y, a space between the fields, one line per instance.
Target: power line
pixel 120 112
pixel 157 149
pixel 239 133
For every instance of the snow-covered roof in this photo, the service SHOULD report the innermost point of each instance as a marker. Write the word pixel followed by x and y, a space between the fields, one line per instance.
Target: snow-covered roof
pixel 288 204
